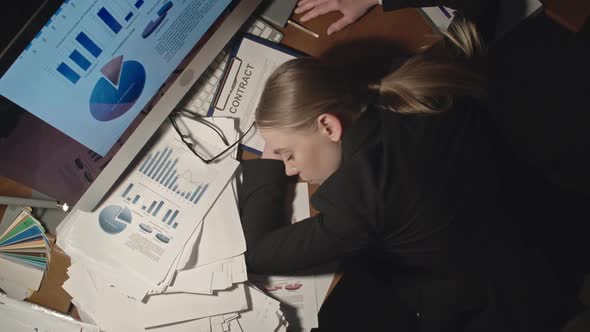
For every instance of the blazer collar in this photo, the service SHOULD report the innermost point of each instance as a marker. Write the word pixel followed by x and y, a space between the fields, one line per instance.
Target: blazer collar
pixel 360 130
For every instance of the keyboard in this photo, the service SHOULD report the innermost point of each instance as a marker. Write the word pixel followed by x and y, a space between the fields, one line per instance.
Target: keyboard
pixel 199 98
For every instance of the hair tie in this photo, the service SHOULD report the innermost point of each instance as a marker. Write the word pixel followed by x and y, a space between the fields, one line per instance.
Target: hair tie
pixel 374 93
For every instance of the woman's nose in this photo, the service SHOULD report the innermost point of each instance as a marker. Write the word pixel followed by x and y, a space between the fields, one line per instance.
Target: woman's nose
pixel 291 170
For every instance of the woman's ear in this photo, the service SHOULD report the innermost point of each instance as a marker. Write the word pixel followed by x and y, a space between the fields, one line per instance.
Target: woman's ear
pixel 330 126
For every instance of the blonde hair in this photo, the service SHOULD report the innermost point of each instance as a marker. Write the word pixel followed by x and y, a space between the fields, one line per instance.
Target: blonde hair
pixel 301 89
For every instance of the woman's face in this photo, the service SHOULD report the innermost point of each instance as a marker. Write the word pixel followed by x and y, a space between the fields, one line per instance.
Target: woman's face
pixel 313 154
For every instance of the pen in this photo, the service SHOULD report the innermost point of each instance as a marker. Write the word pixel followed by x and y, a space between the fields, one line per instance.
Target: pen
pixel 302 28
pixel 37 203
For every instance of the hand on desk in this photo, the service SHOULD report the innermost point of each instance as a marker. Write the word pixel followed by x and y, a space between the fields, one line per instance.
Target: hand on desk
pixel 351 10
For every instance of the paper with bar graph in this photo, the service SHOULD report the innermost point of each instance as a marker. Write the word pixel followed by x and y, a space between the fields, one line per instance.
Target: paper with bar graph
pixel 151 215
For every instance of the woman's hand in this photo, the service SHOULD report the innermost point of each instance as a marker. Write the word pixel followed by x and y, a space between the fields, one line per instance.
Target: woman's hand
pixel 351 10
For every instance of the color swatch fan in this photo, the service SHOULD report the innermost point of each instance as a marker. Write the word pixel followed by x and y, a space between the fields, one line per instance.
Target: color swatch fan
pixel 24 254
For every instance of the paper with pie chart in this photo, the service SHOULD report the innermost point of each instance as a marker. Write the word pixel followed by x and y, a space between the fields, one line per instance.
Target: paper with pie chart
pixel 113 219
pixel 151 214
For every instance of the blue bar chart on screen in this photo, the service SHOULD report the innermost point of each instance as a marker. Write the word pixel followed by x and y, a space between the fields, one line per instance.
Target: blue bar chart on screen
pixel 109 20
pixel 95 65
pixel 153 25
pixel 80 60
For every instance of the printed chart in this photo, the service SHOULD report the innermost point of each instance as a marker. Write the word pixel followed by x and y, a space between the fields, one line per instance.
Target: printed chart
pixel 151 204
pixel 164 168
pixel 113 219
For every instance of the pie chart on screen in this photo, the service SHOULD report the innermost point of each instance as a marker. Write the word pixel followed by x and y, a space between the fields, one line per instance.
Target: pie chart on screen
pixel 118 90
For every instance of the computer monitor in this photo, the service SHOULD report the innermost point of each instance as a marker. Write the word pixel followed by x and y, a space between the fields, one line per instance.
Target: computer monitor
pixel 85 84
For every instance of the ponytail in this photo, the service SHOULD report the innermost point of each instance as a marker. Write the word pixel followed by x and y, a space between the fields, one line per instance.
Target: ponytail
pixel 427 82
pixel 300 90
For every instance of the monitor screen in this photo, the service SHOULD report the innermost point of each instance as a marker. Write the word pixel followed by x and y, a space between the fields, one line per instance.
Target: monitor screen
pixel 86 80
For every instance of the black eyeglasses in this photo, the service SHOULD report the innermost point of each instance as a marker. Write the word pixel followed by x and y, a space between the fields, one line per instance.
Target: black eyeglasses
pixel 192 144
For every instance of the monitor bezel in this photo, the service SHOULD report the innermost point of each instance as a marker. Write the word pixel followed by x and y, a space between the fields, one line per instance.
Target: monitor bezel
pixel 160 109
pixel 27 33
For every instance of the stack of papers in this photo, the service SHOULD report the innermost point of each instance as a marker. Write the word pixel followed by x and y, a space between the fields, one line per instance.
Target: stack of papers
pixel 165 250
pixel 18 316
pixel 24 255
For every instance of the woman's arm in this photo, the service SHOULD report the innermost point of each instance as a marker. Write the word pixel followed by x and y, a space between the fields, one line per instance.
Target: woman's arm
pixel 262 198
pixel 273 245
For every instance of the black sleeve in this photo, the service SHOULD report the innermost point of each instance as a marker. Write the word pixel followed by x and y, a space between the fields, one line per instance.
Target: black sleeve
pixel 275 247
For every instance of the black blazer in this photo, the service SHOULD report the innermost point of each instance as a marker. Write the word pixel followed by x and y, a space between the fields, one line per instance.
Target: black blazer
pixel 422 192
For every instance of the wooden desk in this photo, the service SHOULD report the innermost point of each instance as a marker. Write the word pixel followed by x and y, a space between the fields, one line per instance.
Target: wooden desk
pixel 406 28
pixel 572 14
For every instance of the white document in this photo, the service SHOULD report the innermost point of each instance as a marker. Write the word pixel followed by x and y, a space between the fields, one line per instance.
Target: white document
pixel 149 217
pixel 168 308
pixel 300 204
pixel 189 251
pixel 213 259
pixel 222 235
pixel 111 271
pixel 19 278
pixel 298 293
pixel 65 227
pixel 322 284
pixel 14 290
pixel 225 323
pixel 244 84
pixel 115 275
pixel 113 311
pixel 205 279
pixel 232 271
pixel 18 316
pixel 239 270
pixel 198 280
pixel 82 288
pixel 100 303
pixel 169 277
pixel 197 325
pixel 264 314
